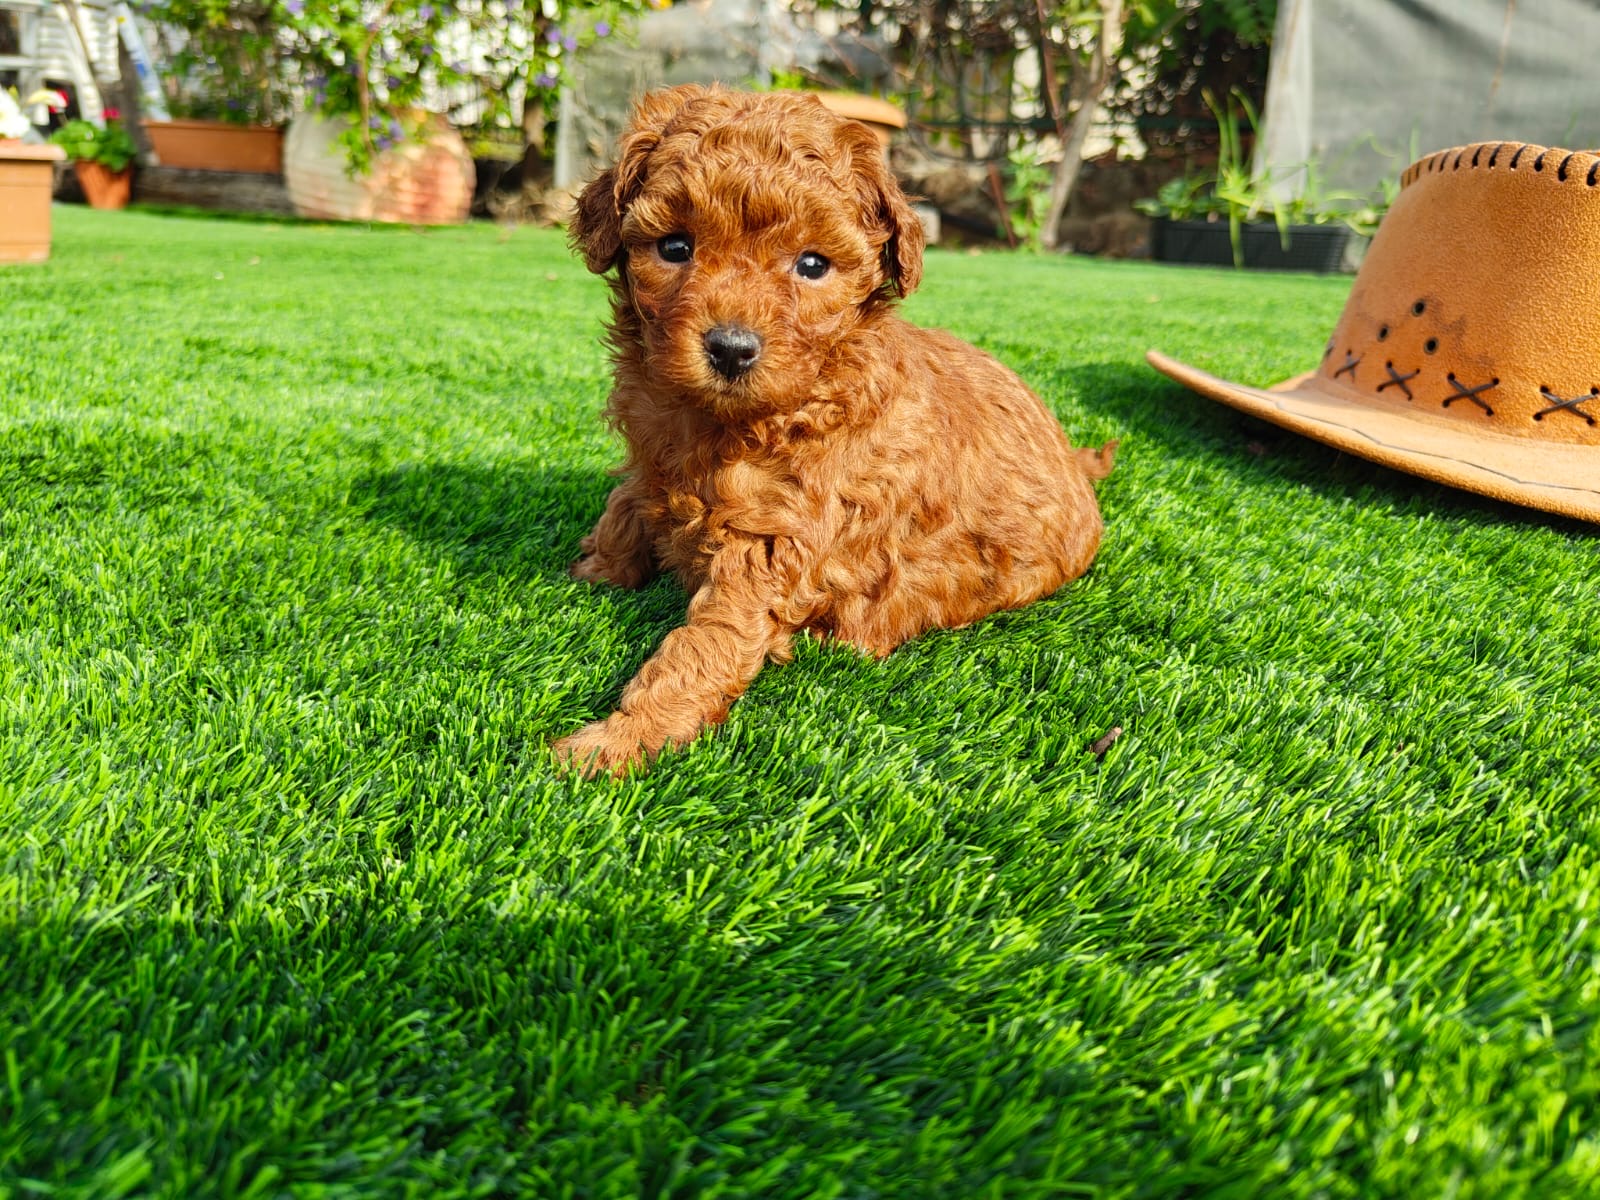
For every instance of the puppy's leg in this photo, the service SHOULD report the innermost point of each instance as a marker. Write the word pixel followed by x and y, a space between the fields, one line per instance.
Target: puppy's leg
pixel 698 671
pixel 618 551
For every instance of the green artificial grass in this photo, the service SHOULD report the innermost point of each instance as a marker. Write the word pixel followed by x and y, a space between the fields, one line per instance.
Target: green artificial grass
pixel 292 902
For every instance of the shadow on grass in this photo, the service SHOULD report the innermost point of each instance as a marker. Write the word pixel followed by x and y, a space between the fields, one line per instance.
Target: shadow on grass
pixel 1162 417
pixel 587 1020
pixel 239 217
pixel 516 520
pixel 523 520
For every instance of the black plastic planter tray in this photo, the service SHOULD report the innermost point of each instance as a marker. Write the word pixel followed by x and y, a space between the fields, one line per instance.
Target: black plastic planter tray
pixel 1311 247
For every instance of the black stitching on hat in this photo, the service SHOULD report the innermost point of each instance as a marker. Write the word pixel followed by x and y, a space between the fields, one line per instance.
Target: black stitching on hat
pixel 1350 361
pixel 1419 308
pixel 1396 379
pixel 1429 346
pixel 1457 165
pixel 1475 154
pixel 1560 404
pixel 1538 163
pixel 1518 155
pixel 1593 167
pixel 1498 146
pixel 1383 332
pixel 1470 393
pixel 1561 171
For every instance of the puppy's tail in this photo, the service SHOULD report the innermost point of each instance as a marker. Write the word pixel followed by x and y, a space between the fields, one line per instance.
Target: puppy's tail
pixel 1096 464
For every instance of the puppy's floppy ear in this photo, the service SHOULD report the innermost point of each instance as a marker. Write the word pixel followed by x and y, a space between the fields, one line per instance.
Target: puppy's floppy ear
pixel 596 228
pixel 884 207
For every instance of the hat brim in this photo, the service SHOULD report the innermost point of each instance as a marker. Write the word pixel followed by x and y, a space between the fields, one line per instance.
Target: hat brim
pixel 1553 476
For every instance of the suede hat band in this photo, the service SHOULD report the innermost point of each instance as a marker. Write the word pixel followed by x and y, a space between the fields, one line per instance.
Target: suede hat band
pixel 1469 348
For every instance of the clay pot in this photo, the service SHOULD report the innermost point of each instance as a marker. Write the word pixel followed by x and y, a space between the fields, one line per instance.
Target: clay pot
pixel 412 183
pixel 103 187
pixel 27 177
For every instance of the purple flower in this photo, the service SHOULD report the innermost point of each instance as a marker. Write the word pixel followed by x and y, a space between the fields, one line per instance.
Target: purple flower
pixel 553 34
pixel 544 80
pixel 569 43
pixel 426 12
pixel 602 29
pixel 295 7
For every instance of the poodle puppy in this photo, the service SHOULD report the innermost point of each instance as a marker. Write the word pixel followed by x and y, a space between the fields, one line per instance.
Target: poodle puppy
pixel 799 456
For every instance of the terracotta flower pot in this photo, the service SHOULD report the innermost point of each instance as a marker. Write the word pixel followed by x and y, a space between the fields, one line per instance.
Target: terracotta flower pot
pixel 217 146
pixel 27 176
pixel 102 187
pixel 877 115
pixel 412 183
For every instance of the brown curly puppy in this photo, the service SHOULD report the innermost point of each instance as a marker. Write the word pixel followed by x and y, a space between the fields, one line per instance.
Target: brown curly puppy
pixel 799 456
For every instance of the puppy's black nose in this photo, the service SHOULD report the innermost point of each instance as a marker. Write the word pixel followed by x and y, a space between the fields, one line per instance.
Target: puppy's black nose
pixel 733 349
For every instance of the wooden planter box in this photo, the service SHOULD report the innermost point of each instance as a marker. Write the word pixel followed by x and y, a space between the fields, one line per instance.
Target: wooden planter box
pixel 27 178
pixel 1318 248
pixel 217 146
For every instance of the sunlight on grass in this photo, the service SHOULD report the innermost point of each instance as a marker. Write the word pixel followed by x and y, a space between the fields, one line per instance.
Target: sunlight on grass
pixel 291 897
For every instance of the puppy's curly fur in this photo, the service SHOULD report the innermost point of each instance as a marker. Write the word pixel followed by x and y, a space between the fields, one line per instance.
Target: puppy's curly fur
pixel 799 456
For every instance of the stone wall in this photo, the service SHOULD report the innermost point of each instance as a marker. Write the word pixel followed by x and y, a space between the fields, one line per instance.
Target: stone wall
pixel 736 42
pixel 687 43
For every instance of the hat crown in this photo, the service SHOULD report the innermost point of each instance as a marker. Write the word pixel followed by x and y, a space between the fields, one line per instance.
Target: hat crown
pixel 1478 302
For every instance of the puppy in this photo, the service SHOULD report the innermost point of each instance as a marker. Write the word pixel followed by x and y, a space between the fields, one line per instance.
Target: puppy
pixel 796 454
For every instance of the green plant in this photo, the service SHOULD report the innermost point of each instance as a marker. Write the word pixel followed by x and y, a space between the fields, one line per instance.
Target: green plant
pixel 382 65
pixel 1232 191
pixel 1027 194
pixel 110 144
pixel 788 81
pixel 222 61
pixel 1186 198
pixel 1244 197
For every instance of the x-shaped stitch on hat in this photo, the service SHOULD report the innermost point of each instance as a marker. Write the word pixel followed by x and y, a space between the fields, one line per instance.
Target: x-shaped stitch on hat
pixel 1562 405
pixel 1463 392
pixel 1396 379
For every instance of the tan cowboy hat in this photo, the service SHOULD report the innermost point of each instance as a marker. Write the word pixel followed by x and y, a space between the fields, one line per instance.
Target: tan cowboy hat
pixel 1469 349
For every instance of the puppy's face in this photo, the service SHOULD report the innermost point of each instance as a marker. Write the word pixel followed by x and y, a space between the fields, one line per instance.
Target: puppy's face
pixel 751 235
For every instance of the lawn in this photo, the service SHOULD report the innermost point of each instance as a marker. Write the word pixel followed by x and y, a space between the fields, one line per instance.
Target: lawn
pixel 292 902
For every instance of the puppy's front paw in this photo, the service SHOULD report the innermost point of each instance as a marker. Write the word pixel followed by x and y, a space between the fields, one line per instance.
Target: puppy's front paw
pixel 592 568
pixel 610 747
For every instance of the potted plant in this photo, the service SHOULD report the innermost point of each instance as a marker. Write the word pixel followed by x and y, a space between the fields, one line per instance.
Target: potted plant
pixel 102 157
pixel 226 83
pixel 362 83
pixel 1230 215
pixel 27 178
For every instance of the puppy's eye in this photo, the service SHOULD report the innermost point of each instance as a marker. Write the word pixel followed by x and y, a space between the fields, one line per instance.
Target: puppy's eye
pixel 675 248
pixel 811 265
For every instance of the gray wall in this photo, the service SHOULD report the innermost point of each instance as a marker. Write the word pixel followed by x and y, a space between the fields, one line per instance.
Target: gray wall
pixel 1359 84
